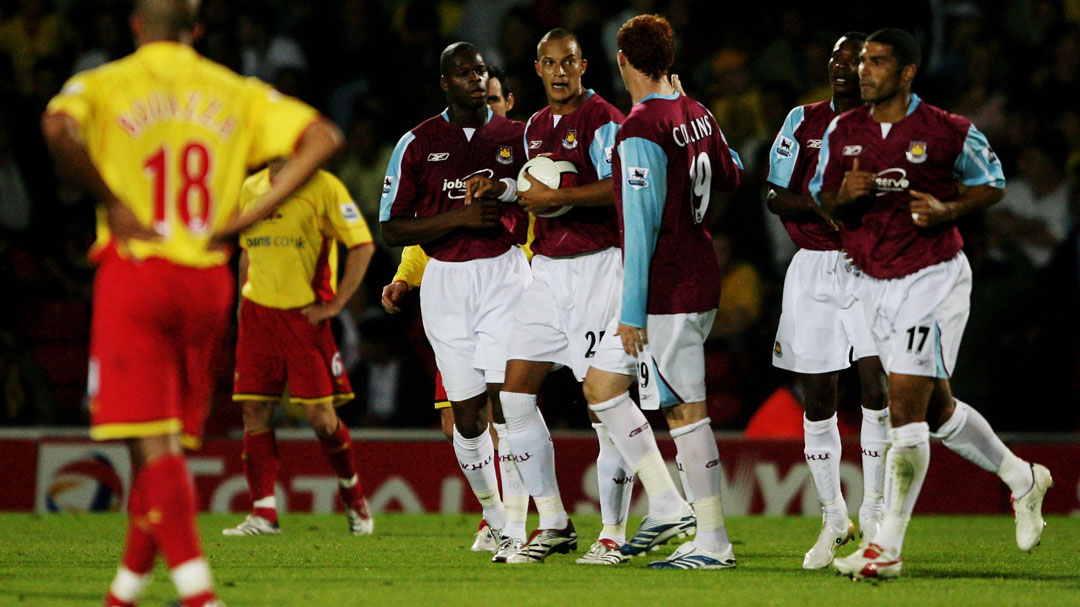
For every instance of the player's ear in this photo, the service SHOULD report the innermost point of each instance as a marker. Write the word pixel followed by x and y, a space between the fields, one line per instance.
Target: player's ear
pixel 443 84
pixel 509 102
pixel 584 65
pixel 536 66
pixel 908 73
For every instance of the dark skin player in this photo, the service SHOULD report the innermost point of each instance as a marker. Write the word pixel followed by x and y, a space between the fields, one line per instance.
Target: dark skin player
pixel 820 389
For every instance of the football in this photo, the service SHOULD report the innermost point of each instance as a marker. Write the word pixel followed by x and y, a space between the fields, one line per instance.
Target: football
pixel 555 173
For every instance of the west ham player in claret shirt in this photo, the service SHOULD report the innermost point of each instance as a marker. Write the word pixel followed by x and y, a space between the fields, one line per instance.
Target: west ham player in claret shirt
pixel 822 322
pixel 476 273
pixel 891 171
pixel 577 270
pixel 669 157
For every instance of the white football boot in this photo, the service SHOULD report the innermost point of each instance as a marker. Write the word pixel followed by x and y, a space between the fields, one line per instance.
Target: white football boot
pixel 603 552
pixel 689 556
pixel 869 563
pixel 1028 509
pixel 253 525
pixel 824 549
pixel 487 539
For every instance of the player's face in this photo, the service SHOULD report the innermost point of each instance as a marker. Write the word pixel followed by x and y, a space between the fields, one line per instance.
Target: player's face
pixel 498 102
pixel 466 81
pixel 844 67
pixel 879 72
pixel 560 66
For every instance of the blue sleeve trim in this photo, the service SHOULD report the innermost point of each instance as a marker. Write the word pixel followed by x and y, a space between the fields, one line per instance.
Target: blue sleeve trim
pixel 822 162
pixel 392 180
pixel 977 163
pixel 600 149
pixel 644 190
pixel 785 149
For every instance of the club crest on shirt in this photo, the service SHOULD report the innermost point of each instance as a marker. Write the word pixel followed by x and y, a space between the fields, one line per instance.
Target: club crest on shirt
pixel 852 150
pixel 916 152
pixel 387 184
pixel 784 147
pixel 636 177
pixel 570 139
pixel 505 154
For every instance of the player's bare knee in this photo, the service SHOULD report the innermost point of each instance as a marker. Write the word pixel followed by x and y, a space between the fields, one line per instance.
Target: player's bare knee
pixel 873 383
pixel 257 416
pixel 909 398
pixel 323 419
pixel 685 414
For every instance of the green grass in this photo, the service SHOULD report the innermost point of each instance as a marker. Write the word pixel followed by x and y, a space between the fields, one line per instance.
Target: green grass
pixel 68 560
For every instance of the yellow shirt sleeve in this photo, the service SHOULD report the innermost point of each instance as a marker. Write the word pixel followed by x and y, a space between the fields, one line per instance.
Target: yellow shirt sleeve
pixel 346 223
pixel 281 119
pixel 74 100
pixel 411 268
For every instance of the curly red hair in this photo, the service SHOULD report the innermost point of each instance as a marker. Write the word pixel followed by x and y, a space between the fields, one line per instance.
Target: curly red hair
pixel 649 44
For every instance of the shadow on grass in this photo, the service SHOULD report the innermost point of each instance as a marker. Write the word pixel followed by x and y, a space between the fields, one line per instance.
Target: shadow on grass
pixel 32 597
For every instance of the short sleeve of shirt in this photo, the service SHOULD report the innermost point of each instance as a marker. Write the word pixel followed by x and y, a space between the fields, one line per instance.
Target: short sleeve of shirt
pixel 977 163
pixel 278 122
pixel 74 99
pixel 344 217
pixel 411 268
pixel 398 188
pixel 785 150
pixel 600 150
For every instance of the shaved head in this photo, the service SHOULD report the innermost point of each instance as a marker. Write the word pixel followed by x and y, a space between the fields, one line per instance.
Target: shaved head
pixel 559 33
pixel 170 17
pixel 456 49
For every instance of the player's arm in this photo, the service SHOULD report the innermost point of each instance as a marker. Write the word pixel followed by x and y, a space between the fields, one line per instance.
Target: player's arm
pixel 410 273
pixel 73 163
pixel 644 190
pixel 785 203
pixel 356 264
pixel 539 197
pixel 403 231
pixel 980 173
pixel 318 143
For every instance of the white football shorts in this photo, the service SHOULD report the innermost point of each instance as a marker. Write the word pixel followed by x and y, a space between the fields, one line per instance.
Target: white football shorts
pixel 468 311
pixel 822 323
pixel 917 320
pixel 564 312
pixel 677 351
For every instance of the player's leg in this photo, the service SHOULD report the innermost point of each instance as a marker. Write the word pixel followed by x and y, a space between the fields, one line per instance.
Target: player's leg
pixel 476 455
pixel 515 494
pixel 258 383
pixel 337 446
pixel 822 450
pixel 615 481
pixel 261 467
pixel 873 440
pixel 967 433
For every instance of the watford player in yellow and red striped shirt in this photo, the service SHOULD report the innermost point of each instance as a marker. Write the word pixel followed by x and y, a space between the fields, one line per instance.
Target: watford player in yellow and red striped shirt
pixel 163 140
pixel 285 344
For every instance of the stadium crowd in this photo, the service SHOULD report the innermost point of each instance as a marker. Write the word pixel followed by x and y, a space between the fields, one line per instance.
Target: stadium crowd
pixel 1011 66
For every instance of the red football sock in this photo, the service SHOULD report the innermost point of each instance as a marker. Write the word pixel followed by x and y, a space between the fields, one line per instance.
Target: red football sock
pixel 139 550
pixel 261 466
pixel 170 509
pixel 338 449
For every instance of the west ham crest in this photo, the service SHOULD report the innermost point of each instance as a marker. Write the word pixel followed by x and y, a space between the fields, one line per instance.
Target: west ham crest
pixel 570 139
pixel 505 155
pixel 916 152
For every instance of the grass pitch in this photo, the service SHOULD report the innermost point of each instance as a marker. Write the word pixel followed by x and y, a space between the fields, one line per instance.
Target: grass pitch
pixel 68 560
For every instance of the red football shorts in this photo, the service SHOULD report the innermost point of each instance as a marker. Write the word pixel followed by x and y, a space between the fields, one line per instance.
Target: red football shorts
pixel 441 401
pixel 157 329
pixel 277 348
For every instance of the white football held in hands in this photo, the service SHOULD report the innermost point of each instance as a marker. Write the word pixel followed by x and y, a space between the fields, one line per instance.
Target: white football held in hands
pixel 555 173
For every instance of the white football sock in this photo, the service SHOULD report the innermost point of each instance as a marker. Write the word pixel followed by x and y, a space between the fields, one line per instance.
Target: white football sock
pixel 701 465
pixel 633 437
pixel 128 586
pixel 534 455
pixel 687 494
pixel 905 470
pixel 192 577
pixel 476 456
pixel 616 483
pixel 968 434
pixel 822 451
pixel 874 443
pixel 514 495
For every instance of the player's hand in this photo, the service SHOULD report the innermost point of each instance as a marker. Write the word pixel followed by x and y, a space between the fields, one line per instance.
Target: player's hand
pixel 538 198
pixel 318 312
pixel 676 84
pixel 125 226
pixel 482 213
pixel 481 186
pixel 828 219
pixel 392 294
pixel 856 184
pixel 634 339
pixel 927 210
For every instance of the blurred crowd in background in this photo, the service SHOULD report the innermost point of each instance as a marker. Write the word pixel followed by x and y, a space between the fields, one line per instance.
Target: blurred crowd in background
pixel 1011 66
